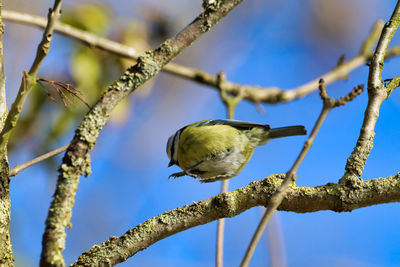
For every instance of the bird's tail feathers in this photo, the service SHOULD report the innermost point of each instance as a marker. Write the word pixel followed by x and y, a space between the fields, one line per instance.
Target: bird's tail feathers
pixel 287 131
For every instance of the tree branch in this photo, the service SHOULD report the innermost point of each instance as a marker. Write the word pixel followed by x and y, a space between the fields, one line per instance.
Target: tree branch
pixel 335 197
pixel 377 93
pixel 393 84
pixel 367 45
pixel 76 160
pixel 255 94
pixel 14 171
pixel 29 79
pixel 6 253
pixel 3 103
pixel 230 103
pixel 276 199
pixel 219 255
pixel 86 37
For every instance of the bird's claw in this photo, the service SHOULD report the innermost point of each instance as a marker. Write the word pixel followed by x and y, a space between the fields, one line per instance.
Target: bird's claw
pixel 176 175
pixel 180 174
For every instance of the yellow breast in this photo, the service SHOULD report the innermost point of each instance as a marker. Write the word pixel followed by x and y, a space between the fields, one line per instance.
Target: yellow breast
pixel 196 143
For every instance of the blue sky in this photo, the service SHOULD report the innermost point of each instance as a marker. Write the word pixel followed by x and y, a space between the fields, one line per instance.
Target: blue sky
pixel 279 43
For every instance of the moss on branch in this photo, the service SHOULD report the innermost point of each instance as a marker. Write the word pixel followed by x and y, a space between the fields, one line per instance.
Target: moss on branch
pixel 334 197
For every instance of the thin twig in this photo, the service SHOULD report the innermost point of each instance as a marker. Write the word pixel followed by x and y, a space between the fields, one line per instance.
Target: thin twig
pixel 76 161
pixel 331 196
pixel 14 171
pixel 277 197
pixel 61 86
pixel 29 79
pixel 377 93
pixel 219 259
pixel 276 242
pixel 393 84
pixel 255 94
pixel 88 38
pixel 230 103
pixel 367 45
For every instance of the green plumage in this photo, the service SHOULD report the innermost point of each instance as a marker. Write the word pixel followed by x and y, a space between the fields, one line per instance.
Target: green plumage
pixel 198 143
pixel 219 149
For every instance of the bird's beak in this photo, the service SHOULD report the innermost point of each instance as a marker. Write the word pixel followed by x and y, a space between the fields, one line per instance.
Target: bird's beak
pixel 172 162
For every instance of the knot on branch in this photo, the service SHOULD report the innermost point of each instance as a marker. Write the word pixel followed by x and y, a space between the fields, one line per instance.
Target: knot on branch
pixel 351 180
pixel 227 204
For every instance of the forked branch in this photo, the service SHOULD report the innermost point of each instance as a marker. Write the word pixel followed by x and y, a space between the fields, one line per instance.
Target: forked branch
pixel 276 199
pixel 377 93
pixel 29 78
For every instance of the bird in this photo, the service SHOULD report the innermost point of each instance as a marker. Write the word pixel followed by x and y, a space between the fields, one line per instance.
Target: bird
pixel 218 149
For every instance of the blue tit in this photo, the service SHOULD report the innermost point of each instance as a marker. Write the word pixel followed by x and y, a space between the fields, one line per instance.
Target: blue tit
pixel 216 149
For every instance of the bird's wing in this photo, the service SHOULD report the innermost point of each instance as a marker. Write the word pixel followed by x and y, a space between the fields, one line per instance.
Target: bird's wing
pixel 241 125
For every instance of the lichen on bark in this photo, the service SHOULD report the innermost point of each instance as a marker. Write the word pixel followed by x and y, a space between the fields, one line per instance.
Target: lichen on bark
pixel 334 197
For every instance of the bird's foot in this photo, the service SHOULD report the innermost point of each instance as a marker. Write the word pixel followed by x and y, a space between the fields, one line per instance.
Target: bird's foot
pixel 180 174
pixel 176 175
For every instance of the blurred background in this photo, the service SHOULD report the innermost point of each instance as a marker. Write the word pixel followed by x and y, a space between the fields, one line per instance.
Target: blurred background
pixel 266 43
